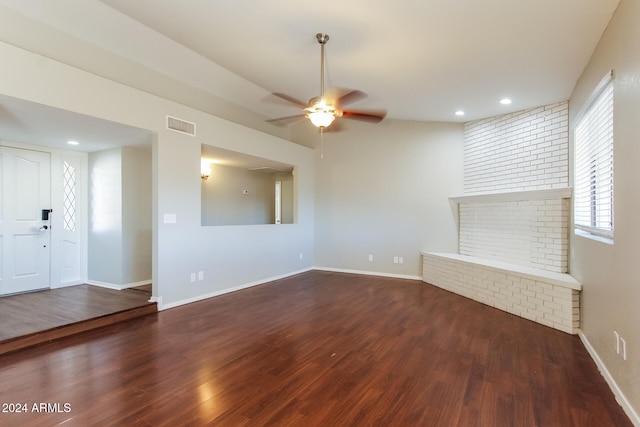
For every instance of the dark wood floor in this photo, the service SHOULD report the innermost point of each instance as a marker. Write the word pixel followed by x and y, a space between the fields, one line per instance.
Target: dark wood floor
pixel 316 349
pixel 36 317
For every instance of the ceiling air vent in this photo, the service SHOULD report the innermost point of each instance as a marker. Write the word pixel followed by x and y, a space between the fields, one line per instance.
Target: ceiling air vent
pixel 182 126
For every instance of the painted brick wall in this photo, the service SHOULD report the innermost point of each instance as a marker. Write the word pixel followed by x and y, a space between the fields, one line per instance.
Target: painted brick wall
pixel 526 150
pixel 518 152
pixel 514 214
pixel 546 299
pixel 530 233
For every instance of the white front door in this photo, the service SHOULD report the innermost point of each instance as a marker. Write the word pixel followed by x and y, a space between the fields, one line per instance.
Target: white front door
pixel 25 191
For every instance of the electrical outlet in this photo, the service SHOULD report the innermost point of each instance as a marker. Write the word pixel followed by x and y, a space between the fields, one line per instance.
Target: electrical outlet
pixel 401 260
pixel 395 259
pixel 200 275
pixel 621 345
pixel 193 277
pixel 371 257
pixel 300 255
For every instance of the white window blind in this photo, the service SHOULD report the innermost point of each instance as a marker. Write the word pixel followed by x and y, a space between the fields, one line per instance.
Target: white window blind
pixel 593 179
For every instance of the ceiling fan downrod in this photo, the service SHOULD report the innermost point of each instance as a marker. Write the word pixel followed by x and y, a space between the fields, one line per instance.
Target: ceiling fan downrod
pixel 322 39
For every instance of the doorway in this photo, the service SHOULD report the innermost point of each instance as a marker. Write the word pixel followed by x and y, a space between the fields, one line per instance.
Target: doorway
pixel 50 130
pixel 25 226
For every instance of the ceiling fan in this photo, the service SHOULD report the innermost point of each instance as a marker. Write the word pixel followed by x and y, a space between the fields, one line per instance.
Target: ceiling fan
pixel 324 109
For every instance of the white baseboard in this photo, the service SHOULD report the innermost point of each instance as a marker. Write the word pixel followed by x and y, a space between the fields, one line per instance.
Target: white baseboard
pixel 158 301
pixel 620 397
pixel 162 306
pixel 369 273
pixel 117 287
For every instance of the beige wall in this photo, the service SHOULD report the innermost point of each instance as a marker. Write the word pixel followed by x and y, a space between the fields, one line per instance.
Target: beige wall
pixel 610 273
pixel 224 203
pixel 136 214
pixel 120 216
pixel 231 257
pixel 382 190
pixel 105 218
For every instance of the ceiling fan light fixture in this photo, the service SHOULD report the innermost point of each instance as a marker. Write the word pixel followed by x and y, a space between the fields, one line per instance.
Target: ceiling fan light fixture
pixel 321 119
pixel 320 113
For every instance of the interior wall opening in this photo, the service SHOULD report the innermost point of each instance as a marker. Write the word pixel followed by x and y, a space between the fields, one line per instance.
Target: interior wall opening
pixel 238 189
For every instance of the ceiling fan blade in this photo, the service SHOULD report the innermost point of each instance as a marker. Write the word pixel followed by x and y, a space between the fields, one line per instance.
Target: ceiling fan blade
pixel 372 116
pixel 283 119
pixel 291 99
pixel 350 97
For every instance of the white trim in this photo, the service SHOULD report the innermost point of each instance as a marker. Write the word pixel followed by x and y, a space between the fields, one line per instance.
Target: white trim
pixel 619 395
pixel 594 231
pixel 162 306
pixel 225 291
pixel 593 236
pixel 512 196
pixel 369 273
pixel 118 287
pixel 604 81
pixel 158 301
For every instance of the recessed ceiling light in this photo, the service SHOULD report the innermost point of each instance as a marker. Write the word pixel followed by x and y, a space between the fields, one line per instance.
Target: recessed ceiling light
pixel 73 142
pixel 459 113
pixel 505 101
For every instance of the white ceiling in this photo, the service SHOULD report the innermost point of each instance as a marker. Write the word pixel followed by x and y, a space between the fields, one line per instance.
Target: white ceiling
pixel 420 60
pixel 36 124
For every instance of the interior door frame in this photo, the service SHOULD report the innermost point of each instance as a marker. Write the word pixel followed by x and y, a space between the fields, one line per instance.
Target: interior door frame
pixel 57 256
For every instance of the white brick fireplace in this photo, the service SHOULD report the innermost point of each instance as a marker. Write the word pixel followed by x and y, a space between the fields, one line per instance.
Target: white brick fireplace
pixel 528 228
pixel 514 219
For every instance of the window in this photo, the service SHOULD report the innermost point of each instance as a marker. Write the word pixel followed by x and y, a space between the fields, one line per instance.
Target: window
pixel 593 172
pixel 69 192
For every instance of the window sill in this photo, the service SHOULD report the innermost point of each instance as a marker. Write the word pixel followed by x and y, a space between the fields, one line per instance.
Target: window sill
pixel 591 236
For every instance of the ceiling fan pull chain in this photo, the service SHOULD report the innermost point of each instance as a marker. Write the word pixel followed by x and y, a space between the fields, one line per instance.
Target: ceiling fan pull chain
pixel 322 142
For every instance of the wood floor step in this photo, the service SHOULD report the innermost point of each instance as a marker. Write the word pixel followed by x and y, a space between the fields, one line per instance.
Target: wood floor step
pixel 41 337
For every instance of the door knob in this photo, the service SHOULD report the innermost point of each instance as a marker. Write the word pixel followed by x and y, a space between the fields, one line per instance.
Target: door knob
pixel 44 228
